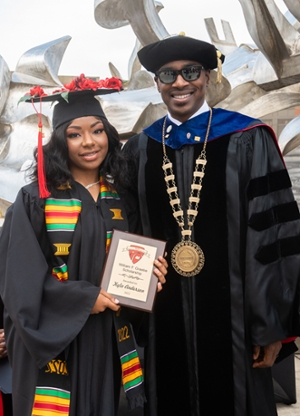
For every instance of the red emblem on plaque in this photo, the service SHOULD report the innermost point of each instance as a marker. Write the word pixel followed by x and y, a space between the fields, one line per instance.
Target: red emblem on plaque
pixel 136 253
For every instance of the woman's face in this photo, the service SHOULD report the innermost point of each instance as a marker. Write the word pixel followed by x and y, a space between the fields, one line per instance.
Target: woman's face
pixel 87 144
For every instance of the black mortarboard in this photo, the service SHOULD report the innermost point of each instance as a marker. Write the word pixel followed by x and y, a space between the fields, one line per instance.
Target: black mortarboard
pixel 177 48
pixel 79 104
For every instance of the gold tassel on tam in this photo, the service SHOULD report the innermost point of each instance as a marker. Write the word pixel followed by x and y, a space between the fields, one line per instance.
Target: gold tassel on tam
pixel 219 72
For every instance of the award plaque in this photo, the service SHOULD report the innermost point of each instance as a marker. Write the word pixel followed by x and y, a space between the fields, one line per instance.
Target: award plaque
pixel 128 271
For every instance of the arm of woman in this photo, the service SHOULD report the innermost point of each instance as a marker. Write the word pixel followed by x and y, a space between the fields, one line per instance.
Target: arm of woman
pixel 104 301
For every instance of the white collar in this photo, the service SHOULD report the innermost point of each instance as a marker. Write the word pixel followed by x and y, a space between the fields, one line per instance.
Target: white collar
pixel 201 110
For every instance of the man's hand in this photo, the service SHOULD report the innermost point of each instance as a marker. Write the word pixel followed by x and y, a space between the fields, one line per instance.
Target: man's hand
pixel 160 271
pixel 3 351
pixel 264 357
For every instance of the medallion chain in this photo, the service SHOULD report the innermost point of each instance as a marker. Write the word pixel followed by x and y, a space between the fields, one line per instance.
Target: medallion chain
pixel 187 257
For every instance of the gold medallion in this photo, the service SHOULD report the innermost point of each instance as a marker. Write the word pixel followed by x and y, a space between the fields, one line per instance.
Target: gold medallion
pixel 187 258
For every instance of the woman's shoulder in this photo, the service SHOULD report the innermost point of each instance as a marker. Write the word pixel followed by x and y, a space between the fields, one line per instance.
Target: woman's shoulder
pixel 30 191
pixel 32 188
pixel 29 195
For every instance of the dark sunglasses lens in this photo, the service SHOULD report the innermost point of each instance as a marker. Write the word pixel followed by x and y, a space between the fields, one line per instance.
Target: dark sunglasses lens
pixel 167 77
pixel 189 74
pixel 192 73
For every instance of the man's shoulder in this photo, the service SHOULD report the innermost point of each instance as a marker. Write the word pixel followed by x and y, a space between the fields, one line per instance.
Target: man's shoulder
pixel 230 122
pixel 136 142
pixel 235 116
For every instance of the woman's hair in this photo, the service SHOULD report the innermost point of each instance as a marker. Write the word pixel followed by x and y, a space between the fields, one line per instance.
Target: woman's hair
pixel 56 159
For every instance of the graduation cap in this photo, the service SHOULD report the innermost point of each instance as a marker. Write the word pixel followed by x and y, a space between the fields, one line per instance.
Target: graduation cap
pixel 181 47
pixel 74 100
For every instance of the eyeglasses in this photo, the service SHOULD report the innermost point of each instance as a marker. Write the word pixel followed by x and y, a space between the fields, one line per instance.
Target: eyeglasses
pixel 189 73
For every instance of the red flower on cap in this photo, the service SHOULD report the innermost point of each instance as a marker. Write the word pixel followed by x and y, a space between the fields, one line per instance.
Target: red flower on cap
pixel 37 91
pixel 82 83
pixel 113 82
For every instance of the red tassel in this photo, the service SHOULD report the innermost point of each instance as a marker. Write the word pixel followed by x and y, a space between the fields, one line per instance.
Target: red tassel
pixel 44 193
pixel 43 190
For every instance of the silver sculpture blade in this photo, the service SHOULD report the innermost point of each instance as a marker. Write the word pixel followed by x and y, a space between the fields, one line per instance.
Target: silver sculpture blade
pixel 226 46
pixel 280 99
pixel 40 64
pixel 125 110
pixel 134 64
pixel 4 83
pixel 278 42
pixel 142 15
pixel 294 7
pixel 289 138
pixel 5 130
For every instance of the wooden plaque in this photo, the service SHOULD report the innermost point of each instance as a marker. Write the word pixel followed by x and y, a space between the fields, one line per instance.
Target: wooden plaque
pixel 128 271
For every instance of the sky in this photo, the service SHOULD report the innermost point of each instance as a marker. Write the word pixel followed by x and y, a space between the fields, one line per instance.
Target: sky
pixel 25 24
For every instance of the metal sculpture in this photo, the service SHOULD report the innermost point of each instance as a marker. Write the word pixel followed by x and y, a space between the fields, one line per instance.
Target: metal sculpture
pixel 142 15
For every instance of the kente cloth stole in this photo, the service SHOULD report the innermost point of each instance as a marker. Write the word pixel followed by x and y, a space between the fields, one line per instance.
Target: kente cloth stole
pixel 52 393
pixel 132 373
pixel 110 193
pixel 61 216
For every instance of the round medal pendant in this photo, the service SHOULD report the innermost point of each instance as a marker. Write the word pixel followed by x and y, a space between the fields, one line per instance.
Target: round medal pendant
pixel 187 258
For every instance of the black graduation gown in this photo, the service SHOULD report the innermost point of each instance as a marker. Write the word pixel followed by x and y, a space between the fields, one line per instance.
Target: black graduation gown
pixel 5 366
pixel 204 326
pixel 47 317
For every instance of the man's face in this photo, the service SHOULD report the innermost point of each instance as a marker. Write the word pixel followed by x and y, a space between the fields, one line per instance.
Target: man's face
pixel 183 98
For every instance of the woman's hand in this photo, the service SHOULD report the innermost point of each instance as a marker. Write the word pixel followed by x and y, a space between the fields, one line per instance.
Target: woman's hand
pixel 104 301
pixel 3 351
pixel 265 356
pixel 160 271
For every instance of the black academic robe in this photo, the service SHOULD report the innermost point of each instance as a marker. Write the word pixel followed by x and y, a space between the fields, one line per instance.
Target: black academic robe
pixel 5 375
pixel 45 317
pixel 204 326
